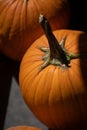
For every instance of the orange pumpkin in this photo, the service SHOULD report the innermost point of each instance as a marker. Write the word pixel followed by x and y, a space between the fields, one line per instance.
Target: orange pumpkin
pixel 23 128
pixel 53 78
pixel 19 25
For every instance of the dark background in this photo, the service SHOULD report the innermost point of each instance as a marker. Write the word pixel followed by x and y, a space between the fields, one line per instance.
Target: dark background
pixel 78 19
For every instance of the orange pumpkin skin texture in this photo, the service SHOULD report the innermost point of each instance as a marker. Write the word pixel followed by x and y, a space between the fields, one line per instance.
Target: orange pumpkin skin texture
pixel 19 25
pixel 23 128
pixel 57 96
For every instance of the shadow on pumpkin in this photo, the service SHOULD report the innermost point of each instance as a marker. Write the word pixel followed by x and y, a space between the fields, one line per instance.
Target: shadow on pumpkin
pixel 82 98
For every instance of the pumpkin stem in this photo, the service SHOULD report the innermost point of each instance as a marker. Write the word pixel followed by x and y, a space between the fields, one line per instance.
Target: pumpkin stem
pixel 57 54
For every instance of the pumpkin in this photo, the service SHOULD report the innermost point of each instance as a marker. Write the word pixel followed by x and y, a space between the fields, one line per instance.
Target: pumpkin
pixel 19 25
pixel 53 78
pixel 23 128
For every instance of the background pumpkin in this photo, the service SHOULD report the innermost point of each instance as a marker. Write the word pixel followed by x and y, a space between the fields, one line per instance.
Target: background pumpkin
pixel 23 128
pixel 57 96
pixel 19 25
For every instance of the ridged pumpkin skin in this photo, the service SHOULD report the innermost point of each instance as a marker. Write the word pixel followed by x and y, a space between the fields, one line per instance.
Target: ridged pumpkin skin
pixel 23 128
pixel 19 25
pixel 57 96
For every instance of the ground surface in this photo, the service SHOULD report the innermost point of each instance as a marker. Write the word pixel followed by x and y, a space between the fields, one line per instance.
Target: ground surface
pixel 17 111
